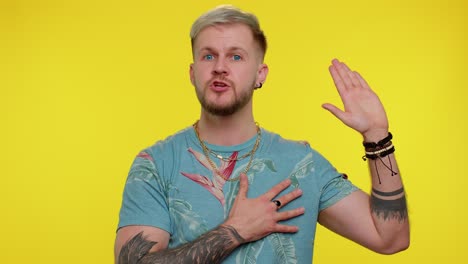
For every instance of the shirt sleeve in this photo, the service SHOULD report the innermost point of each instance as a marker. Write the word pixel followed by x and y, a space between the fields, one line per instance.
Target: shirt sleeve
pixel 144 199
pixel 334 185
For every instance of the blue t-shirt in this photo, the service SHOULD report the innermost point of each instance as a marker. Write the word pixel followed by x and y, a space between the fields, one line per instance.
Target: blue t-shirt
pixel 172 186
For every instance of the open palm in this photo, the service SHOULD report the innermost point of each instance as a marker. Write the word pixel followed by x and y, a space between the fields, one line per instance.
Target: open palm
pixel 363 110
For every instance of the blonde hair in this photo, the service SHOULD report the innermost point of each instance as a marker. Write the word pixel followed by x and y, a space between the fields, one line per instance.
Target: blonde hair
pixel 228 14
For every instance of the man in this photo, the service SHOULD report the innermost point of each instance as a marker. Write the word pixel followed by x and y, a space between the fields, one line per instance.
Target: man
pixel 226 190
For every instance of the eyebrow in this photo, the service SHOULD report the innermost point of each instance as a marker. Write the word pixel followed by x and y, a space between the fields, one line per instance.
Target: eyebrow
pixel 232 49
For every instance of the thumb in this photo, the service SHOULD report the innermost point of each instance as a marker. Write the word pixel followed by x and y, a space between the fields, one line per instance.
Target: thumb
pixel 243 185
pixel 335 111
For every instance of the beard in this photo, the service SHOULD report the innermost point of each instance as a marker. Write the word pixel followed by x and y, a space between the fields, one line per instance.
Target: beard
pixel 237 102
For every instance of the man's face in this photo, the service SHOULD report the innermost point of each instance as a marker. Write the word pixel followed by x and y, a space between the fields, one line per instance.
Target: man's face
pixel 227 66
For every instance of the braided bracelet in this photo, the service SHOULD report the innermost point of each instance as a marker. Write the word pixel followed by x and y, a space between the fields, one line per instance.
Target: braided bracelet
pixel 379 150
pixel 381 143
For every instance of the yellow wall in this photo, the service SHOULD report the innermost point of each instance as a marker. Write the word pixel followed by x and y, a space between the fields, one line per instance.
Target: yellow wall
pixel 86 84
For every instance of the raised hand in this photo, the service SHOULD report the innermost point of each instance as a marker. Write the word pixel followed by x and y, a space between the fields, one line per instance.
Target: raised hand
pixel 258 217
pixel 363 110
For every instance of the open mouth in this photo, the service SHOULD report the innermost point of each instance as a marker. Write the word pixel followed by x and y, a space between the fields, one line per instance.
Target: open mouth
pixel 219 86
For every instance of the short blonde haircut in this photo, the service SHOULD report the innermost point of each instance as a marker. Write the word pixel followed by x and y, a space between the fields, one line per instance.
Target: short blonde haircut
pixel 228 14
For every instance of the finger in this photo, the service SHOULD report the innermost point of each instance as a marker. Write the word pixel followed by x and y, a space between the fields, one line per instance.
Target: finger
pixel 243 186
pixel 335 111
pixel 281 216
pixel 285 229
pixel 352 75
pixel 362 81
pixel 285 199
pixel 277 189
pixel 343 70
pixel 341 115
pixel 339 84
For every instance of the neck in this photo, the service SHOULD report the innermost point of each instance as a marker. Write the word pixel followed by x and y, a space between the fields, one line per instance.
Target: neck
pixel 226 130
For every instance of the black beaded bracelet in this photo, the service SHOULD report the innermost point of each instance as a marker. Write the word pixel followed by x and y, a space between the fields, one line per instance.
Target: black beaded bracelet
pixel 381 143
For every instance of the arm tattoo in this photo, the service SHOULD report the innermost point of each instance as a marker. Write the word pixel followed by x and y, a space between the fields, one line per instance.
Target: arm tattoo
pixel 388 194
pixel 389 208
pixel 135 249
pixel 211 247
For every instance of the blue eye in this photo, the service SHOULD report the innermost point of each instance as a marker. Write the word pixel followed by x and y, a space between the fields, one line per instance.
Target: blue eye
pixel 236 57
pixel 208 57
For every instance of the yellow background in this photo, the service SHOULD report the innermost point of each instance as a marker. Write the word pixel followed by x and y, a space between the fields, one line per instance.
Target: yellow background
pixel 86 84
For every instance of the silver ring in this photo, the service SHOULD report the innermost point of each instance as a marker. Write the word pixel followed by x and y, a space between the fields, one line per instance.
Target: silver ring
pixel 278 203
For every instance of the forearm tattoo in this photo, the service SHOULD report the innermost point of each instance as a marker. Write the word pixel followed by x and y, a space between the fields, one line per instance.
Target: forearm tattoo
pixel 392 205
pixel 211 247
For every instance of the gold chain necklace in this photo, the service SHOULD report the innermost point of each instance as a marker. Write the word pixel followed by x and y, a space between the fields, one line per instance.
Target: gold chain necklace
pixel 227 159
pixel 207 151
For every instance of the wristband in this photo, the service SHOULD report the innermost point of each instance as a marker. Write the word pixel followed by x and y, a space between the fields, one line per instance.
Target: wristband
pixel 381 143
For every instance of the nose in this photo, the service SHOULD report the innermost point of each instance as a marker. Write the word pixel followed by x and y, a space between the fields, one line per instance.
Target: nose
pixel 220 67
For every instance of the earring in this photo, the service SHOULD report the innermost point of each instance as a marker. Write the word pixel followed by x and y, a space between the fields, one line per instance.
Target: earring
pixel 258 86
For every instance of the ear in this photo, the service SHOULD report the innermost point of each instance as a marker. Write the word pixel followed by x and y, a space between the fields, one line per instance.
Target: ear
pixel 262 73
pixel 192 77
